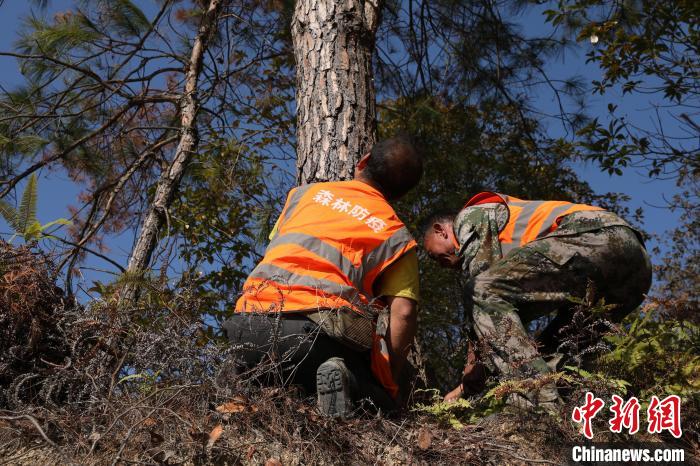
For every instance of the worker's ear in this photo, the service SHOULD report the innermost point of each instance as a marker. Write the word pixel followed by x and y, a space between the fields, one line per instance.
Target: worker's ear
pixel 362 164
pixel 440 229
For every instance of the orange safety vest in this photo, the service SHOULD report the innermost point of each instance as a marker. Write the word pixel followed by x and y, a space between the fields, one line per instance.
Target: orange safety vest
pixel 527 220
pixel 333 241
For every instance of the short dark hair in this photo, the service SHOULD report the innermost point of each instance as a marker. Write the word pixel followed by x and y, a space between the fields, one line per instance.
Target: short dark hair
pixel 442 216
pixel 395 166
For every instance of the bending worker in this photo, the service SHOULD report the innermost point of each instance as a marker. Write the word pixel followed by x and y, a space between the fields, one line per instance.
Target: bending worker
pixel 526 259
pixel 332 304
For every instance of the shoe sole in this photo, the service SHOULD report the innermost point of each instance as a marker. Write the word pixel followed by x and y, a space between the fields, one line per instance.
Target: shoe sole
pixel 333 391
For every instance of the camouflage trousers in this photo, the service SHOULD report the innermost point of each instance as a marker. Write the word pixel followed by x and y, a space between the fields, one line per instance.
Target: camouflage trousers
pixel 539 278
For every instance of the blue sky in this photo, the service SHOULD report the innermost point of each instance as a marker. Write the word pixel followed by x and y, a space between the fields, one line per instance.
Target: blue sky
pixel 57 190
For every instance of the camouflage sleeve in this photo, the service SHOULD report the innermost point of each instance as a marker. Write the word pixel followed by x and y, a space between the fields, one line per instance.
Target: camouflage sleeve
pixel 476 229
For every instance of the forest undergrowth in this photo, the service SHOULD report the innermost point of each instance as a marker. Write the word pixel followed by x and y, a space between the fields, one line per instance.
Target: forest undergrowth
pixel 106 383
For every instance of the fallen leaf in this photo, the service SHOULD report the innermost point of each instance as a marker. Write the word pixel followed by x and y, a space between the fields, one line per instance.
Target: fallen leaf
pixel 236 405
pixel 250 453
pixel 308 412
pixel 273 462
pixel 149 422
pixel 231 407
pixel 214 435
pixel 425 438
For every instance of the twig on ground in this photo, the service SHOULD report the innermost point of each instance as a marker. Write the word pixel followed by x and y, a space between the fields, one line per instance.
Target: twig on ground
pixel 128 434
pixel 34 422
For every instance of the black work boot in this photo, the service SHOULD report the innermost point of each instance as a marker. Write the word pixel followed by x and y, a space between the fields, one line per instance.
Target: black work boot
pixel 333 387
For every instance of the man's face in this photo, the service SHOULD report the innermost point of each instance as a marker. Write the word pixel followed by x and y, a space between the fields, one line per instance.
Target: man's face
pixel 440 242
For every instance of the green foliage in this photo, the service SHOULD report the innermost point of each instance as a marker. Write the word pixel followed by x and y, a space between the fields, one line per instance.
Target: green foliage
pixel 127 18
pixel 448 413
pixel 645 47
pixel 146 382
pixel 650 48
pixel 23 220
pixel 108 291
pixel 678 272
pixel 222 215
pixel 27 208
pixel 27 144
pixel 652 354
pixel 586 380
pixel 70 31
pixel 656 355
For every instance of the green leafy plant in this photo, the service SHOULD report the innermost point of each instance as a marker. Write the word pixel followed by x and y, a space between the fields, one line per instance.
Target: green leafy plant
pixel 145 381
pixel 447 412
pixel 588 379
pixel 463 411
pixel 665 352
pixel 23 220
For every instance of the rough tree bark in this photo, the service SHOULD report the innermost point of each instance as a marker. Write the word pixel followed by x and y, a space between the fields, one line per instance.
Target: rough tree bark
pixel 336 112
pixel 170 178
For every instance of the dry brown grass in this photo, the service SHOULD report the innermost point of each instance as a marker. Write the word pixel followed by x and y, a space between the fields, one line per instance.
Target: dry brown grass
pixel 168 428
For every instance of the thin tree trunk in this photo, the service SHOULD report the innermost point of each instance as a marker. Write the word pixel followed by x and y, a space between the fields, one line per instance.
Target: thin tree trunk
pixel 336 111
pixel 170 178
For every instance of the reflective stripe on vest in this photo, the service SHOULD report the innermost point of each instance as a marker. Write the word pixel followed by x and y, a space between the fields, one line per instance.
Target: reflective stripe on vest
pixel 356 275
pixel 278 275
pixel 295 196
pixel 327 253
pixel 527 220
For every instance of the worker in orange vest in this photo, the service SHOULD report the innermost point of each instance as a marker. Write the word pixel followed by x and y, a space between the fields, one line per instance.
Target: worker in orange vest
pixel 332 304
pixel 527 259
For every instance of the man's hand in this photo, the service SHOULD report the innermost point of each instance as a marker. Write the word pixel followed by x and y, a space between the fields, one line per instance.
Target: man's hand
pixel 403 321
pixel 474 374
pixel 454 395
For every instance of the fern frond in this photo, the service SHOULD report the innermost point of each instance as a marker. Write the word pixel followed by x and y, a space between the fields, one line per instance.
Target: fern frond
pixel 26 215
pixel 9 213
pixel 32 232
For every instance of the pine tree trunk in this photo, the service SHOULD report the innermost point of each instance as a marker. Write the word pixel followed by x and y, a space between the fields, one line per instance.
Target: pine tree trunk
pixel 336 114
pixel 170 178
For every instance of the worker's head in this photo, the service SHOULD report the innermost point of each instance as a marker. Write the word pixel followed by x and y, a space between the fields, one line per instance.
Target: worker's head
pixel 439 239
pixel 393 166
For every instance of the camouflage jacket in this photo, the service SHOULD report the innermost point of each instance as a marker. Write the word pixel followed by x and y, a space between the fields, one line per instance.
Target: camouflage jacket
pixel 477 227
